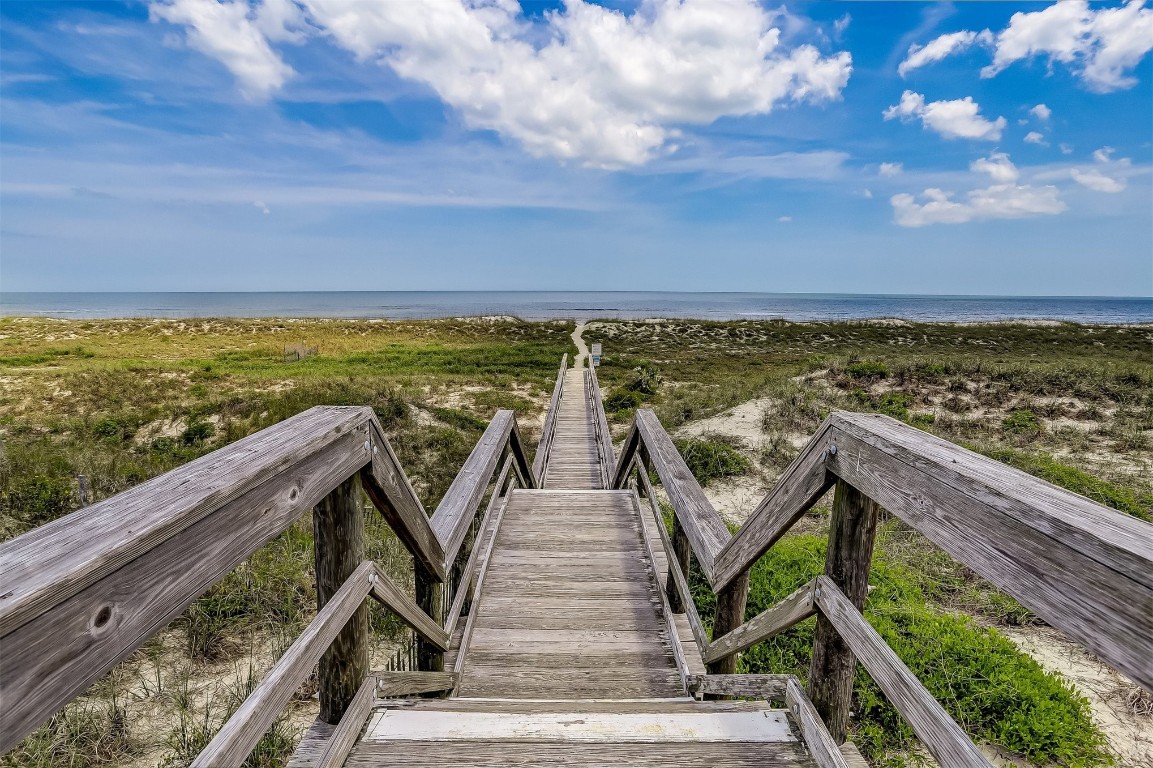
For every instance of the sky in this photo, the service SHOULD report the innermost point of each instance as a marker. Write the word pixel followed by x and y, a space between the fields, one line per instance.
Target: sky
pixel 706 145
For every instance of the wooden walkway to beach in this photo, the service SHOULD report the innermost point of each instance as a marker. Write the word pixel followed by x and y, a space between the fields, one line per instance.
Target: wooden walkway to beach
pixel 552 617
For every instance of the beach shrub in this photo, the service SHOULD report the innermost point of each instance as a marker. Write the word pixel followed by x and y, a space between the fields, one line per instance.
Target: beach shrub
pixel 1023 423
pixel 197 432
pixel 646 379
pixel 37 499
pixel 623 400
pixel 711 458
pixel 867 369
pixel 998 693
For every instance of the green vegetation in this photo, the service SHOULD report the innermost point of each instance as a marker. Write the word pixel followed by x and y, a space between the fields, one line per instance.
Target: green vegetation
pixel 712 458
pixel 982 680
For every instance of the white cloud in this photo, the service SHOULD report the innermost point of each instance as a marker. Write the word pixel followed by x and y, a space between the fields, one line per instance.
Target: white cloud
pixel 945 45
pixel 998 166
pixel 1101 46
pixel 590 84
pixel 1066 149
pixel 227 32
pixel 957 119
pixel 1096 179
pixel 841 24
pixel 1004 199
pixel 892 169
pixel 261 206
pixel 1035 137
pixel 1041 112
pixel 785 219
pixel 867 194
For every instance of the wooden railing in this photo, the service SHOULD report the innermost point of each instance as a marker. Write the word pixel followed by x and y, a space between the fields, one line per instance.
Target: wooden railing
pixel 83 592
pixel 604 438
pixel 544 445
pixel 1082 567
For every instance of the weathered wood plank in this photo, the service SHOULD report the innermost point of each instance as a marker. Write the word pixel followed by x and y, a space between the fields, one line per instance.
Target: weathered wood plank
pixel 731 604
pixel 767 687
pixel 817 738
pixel 347 731
pixel 604 436
pixel 702 523
pixel 454 514
pixel 464 588
pixel 392 494
pixel 45 566
pixel 788 612
pixel 391 684
pixel 928 719
pixel 105 622
pixel 540 461
pixel 237 738
pixel 625 460
pixel 1036 541
pixel 852 531
pixel 804 482
pixel 338 532
pixel 392 597
pixel 497 754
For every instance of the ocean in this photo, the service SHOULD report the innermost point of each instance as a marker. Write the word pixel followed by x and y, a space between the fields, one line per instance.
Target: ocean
pixel 581 305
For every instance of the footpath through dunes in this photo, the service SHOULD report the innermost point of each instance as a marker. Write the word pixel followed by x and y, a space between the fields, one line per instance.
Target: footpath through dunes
pixel 550 605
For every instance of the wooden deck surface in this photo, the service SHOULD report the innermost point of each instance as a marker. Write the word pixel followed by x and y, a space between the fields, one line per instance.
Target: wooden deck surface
pixel 573 461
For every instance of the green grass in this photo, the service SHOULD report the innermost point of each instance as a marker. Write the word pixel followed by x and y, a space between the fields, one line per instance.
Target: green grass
pixel 998 693
pixel 712 458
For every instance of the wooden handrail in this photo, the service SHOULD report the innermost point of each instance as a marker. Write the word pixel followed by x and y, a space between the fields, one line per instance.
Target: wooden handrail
pixel 772 621
pixel 344 737
pixel 928 719
pixel 702 523
pixel 454 515
pixel 146 554
pixel 239 736
pixel 469 573
pixel 604 437
pixel 544 445
pixel 392 597
pixel 820 744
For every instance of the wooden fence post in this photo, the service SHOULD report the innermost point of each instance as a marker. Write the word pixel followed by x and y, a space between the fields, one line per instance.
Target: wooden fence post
pixel 430 598
pixel 730 615
pixel 338 525
pixel 852 531
pixel 683 550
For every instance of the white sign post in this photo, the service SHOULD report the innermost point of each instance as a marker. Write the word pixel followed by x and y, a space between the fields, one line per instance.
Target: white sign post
pixel 596 353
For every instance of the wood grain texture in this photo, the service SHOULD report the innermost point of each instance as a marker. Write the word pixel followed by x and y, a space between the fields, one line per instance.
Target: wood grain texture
pixel 1081 567
pixel 392 494
pixel 499 754
pixel 237 738
pixel 679 558
pixel 429 595
pixel 338 533
pixel 600 422
pixel 574 458
pixel 767 687
pixel 105 622
pixel 702 523
pixel 788 612
pixel 468 574
pixel 540 461
pixel 394 684
pixel 852 531
pixel 312 745
pixel 941 736
pixel 804 482
pixel 392 597
pixel 624 463
pixel 454 514
pixel 819 741
pixel 730 614
pixel 49 564
pixel 347 731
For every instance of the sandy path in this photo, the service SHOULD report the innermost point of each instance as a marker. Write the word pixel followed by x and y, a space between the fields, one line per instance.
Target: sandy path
pixel 582 349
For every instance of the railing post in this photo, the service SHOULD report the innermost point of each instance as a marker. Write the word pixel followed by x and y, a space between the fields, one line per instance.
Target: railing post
pixel 730 615
pixel 682 549
pixel 430 598
pixel 852 531
pixel 338 525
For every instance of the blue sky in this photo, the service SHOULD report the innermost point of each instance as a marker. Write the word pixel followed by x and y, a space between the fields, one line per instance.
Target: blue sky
pixel 977 148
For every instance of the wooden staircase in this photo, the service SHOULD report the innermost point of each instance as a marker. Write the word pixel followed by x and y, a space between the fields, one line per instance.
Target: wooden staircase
pixel 554 623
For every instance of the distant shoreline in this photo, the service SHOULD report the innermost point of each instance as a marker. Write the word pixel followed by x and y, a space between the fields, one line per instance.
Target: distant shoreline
pixel 534 306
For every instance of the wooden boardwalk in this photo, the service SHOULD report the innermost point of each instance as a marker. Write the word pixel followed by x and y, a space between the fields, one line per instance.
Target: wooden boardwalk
pixel 573 461
pixel 550 603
